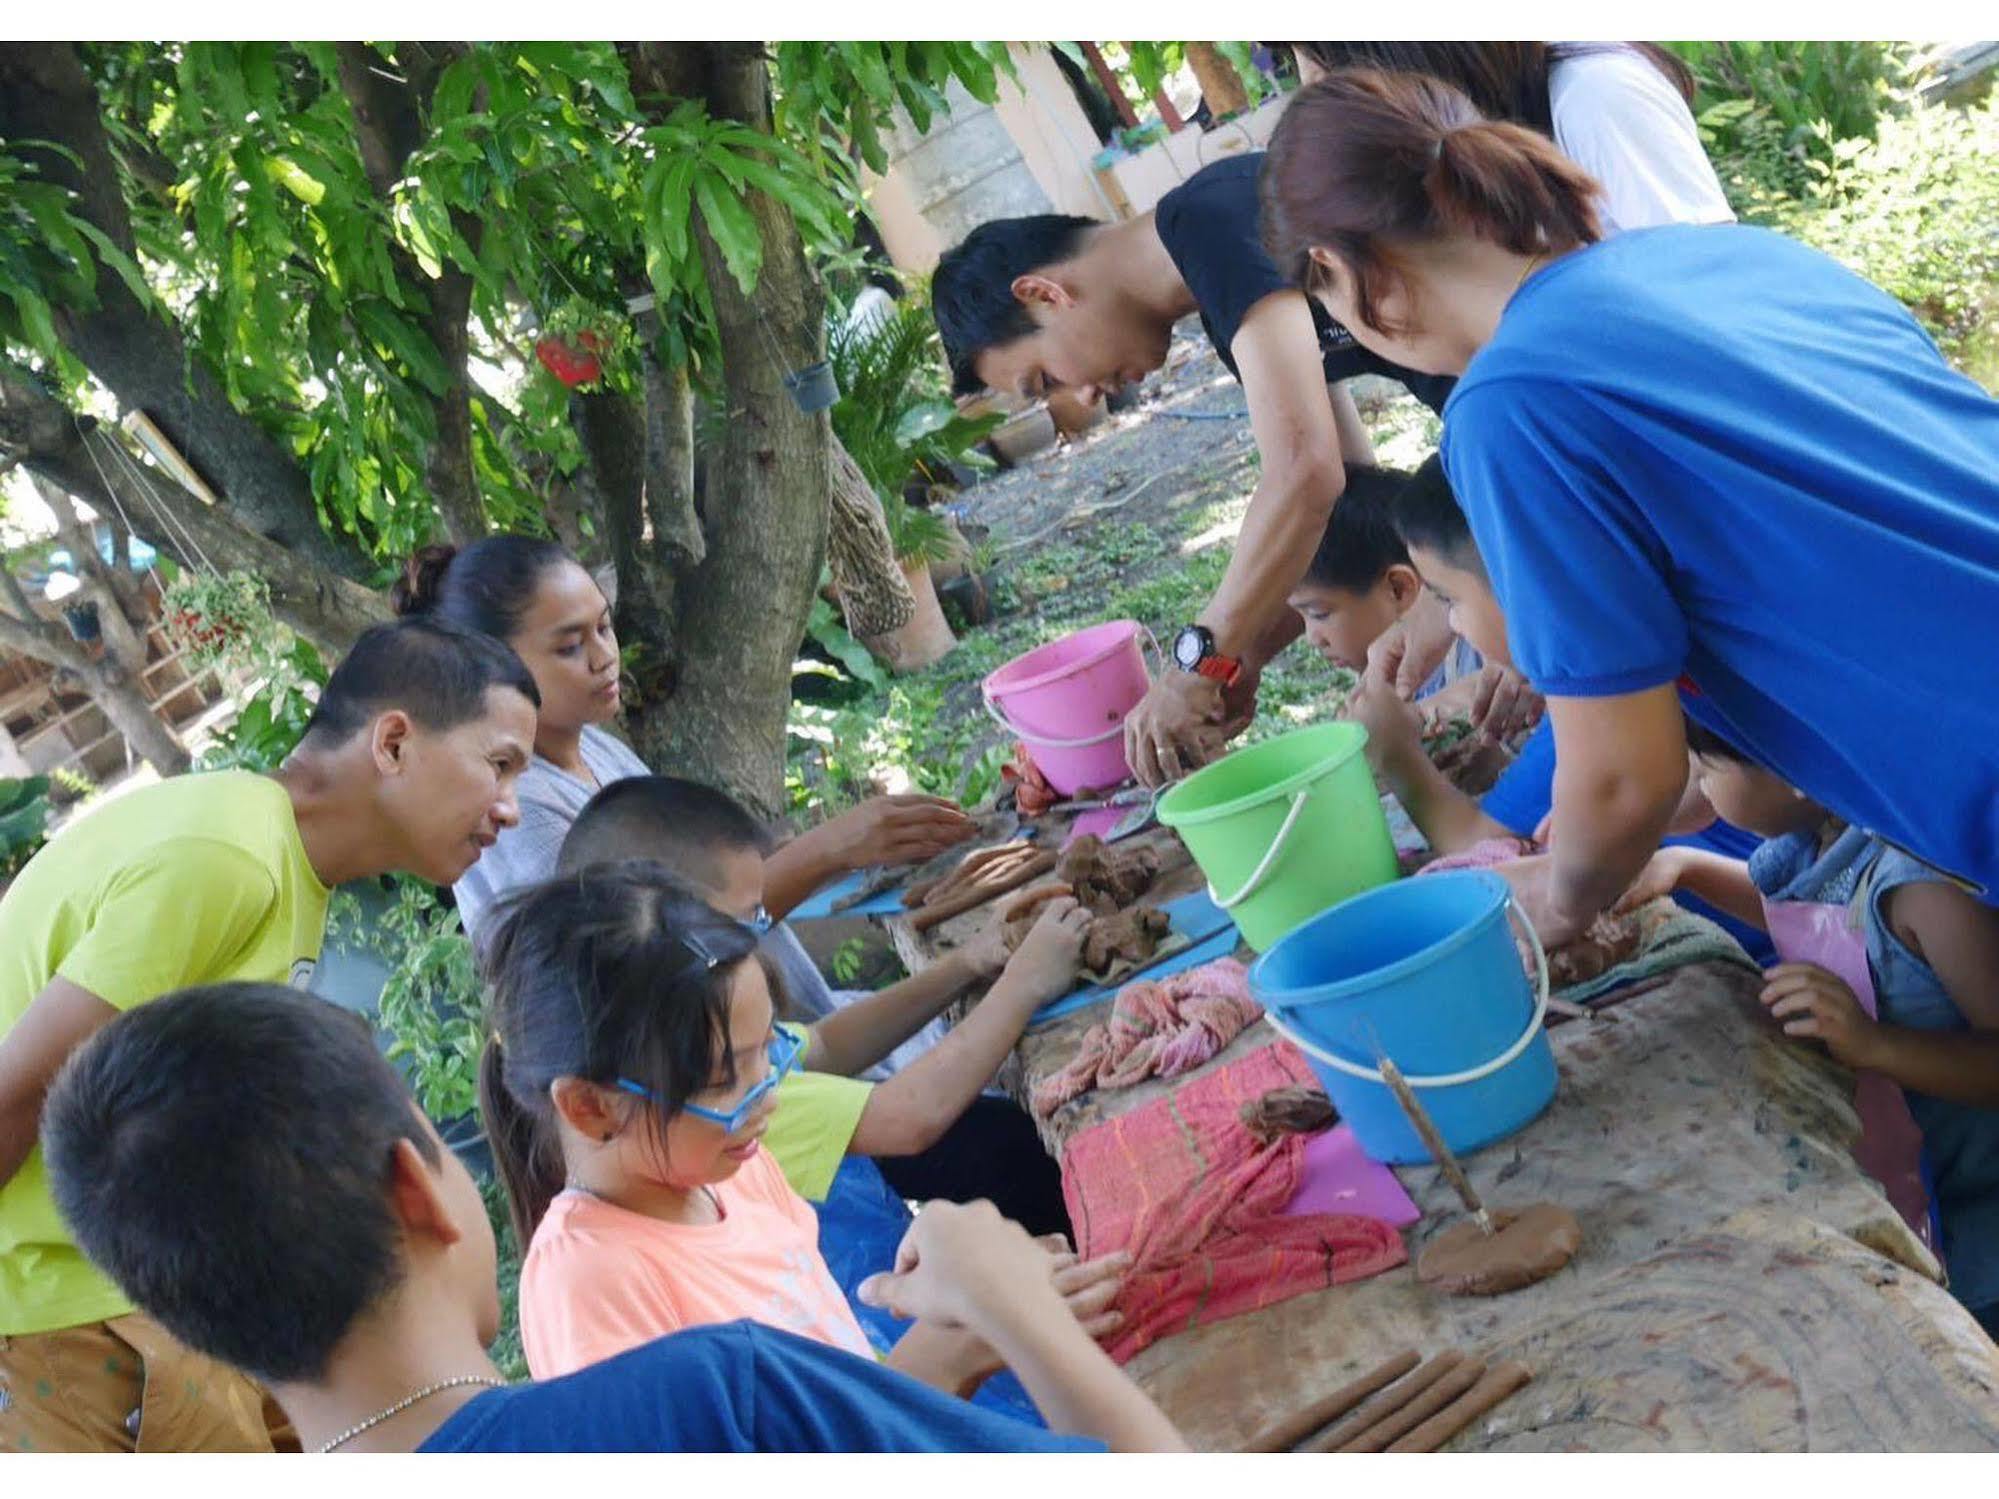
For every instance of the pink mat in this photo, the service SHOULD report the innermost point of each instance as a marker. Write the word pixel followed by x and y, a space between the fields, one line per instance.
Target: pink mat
pixel 1338 1178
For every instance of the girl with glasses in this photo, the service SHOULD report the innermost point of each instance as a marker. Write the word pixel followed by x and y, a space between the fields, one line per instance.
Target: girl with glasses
pixel 631 1075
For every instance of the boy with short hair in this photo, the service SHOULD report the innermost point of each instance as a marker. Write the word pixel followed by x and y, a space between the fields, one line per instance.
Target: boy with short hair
pixel 928 1127
pixel 408 763
pixel 1445 555
pixel 247 1167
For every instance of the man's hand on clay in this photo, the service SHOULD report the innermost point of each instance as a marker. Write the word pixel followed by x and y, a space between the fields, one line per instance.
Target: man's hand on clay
pixel 1176 727
pixel 897 830
pixel 1815 1004
pixel 1534 889
pixel 1503 705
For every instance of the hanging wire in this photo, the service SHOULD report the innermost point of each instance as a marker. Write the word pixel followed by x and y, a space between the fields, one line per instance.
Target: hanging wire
pixel 169 526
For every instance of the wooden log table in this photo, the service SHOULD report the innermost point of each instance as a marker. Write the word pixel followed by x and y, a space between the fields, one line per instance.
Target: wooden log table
pixel 1742 1285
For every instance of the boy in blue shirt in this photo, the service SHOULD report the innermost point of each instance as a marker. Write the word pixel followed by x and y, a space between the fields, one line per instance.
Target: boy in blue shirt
pixel 1441 547
pixel 252 1173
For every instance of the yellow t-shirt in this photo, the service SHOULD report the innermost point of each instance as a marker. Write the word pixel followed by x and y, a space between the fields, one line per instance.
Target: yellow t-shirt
pixel 197 880
pixel 814 1122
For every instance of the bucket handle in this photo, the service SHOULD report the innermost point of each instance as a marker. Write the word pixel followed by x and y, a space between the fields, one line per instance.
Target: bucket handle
pixel 1270 856
pixel 1446 1079
pixel 998 715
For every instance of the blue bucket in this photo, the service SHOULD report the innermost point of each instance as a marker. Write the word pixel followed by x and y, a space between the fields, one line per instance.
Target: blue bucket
pixel 1425 971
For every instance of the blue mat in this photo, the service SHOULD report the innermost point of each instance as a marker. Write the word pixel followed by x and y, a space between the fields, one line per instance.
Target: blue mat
pixel 820 906
pixel 1195 917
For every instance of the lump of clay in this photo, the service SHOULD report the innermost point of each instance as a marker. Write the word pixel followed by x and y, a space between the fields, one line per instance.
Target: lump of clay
pixel 1301 1109
pixel 1105 879
pixel 1529 1245
pixel 1130 936
pixel 1019 918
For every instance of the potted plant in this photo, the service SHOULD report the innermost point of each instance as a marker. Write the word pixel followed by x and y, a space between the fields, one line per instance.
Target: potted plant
pixel 901 428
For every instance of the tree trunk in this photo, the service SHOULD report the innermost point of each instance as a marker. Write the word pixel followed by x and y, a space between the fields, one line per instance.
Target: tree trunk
pixel 742 610
pixel 1221 84
pixel 46 95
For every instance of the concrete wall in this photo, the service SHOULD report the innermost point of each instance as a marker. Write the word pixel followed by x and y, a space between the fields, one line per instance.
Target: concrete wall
pixel 1029 152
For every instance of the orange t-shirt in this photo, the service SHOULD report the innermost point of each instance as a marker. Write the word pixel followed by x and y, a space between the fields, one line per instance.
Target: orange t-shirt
pixel 599 1279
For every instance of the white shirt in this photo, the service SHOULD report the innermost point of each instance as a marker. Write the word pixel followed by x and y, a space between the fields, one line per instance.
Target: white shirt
pixel 1621 120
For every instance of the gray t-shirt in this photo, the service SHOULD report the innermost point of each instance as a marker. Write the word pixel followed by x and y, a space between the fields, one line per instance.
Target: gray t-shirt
pixel 551 799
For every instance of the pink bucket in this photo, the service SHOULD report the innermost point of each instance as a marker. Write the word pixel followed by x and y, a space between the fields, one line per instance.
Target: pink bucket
pixel 1067 702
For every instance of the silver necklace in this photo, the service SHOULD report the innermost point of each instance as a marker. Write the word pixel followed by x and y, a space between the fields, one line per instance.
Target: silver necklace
pixel 405 1403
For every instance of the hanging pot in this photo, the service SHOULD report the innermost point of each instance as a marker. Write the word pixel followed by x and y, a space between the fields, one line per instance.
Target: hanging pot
pixel 813 388
pixel 574 361
pixel 83 622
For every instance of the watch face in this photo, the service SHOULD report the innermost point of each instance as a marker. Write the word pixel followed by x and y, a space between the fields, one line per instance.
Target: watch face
pixel 1189 646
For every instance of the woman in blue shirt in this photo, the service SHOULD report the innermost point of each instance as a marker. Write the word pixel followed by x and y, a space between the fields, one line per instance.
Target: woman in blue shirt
pixel 1694 458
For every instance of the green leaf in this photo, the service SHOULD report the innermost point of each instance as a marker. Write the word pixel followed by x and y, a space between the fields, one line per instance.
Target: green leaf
pixel 922 419
pixel 409 344
pixel 300 183
pixel 732 226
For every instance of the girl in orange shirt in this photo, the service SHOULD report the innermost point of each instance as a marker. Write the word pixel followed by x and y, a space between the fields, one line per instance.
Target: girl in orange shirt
pixel 630 1077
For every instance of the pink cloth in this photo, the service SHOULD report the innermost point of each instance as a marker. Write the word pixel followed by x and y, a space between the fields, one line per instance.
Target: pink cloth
pixel 1157 1028
pixel 1199 1201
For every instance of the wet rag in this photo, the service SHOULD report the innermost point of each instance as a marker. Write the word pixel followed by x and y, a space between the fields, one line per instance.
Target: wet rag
pixel 1157 1028
pixel 1199 1202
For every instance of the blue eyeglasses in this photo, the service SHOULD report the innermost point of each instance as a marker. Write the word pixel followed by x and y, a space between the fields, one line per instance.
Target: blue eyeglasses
pixel 783 1050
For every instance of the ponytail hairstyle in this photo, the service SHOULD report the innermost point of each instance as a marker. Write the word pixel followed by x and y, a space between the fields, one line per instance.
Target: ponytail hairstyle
pixel 615 971
pixel 1504 80
pixel 487 586
pixel 1362 162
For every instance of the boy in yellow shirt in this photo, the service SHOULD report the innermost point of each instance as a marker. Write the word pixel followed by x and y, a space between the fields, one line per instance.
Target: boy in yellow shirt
pixel 409 763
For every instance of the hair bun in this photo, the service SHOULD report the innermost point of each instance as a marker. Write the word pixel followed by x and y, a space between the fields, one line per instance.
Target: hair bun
pixel 416 591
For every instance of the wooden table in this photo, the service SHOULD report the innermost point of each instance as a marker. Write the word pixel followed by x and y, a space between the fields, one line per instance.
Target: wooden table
pixel 1741 1285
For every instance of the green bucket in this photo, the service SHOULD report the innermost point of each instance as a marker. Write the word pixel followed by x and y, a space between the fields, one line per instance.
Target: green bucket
pixel 1285 829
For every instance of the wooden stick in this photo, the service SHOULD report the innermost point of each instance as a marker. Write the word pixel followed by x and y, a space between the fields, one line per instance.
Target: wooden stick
pixel 1419 1410
pixel 1501 1382
pixel 1384 1404
pixel 1434 1142
pixel 969 899
pixel 1279 1435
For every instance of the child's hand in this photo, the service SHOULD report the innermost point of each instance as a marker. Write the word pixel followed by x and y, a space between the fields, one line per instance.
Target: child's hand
pixel 1088 1287
pixel 1050 956
pixel 964 1265
pixel 1660 876
pixel 1816 1004
pixel 896 830
pixel 1393 726
pixel 986 954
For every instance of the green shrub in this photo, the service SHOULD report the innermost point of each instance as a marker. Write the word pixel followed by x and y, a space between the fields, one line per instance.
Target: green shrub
pixel 24 821
pixel 1916 211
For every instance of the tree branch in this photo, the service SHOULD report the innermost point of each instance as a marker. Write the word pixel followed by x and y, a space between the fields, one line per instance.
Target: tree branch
pixel 45 95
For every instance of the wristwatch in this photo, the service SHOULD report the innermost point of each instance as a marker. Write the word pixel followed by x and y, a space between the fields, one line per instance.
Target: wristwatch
pixel 1194 650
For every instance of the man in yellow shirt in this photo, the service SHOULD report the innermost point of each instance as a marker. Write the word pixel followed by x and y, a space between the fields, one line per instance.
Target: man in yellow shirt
pixel 409 763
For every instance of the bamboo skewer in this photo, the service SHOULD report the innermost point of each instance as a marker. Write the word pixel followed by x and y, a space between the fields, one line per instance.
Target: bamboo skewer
pixel 1279 1435
pixel 1434 1142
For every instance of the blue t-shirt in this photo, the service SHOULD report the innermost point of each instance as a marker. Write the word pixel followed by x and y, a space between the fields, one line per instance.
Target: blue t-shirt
pixel 1525 791
pixel 1713 452
pixel 736 1387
